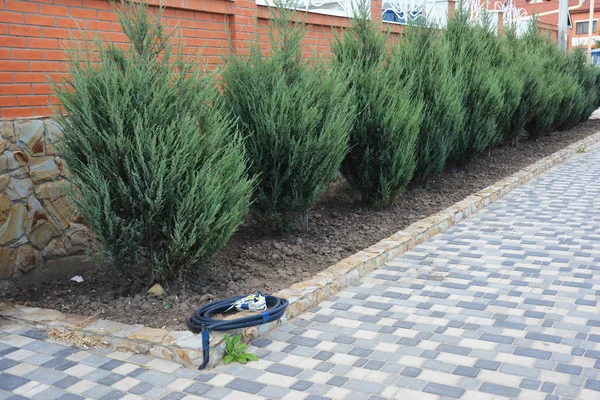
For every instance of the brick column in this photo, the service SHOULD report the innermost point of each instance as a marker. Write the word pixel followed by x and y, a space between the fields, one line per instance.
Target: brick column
pixel 376 10
pixel 500 22
pixel 243 25
pixel 451 8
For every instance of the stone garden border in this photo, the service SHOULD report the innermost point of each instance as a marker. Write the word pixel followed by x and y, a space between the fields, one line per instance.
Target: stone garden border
pixel 186 348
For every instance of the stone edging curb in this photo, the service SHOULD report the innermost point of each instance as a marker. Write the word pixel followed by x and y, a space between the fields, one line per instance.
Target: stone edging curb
pixel 186 348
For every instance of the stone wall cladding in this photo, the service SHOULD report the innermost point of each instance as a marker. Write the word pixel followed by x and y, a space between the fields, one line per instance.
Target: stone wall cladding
pixel 38 222
pixel 186 348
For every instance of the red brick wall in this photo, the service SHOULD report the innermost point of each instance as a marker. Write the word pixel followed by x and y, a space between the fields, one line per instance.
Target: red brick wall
pixel 33 36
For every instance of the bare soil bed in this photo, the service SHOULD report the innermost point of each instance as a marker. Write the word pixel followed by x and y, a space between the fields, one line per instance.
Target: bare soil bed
pixel 256 259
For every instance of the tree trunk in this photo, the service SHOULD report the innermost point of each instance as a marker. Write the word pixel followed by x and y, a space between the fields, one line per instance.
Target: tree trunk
pixel 304 220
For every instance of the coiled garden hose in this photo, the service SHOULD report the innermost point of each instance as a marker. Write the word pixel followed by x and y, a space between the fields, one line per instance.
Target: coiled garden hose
pixel 201 319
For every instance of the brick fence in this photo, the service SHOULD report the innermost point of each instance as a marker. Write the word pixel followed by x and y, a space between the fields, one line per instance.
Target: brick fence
pixel 34 34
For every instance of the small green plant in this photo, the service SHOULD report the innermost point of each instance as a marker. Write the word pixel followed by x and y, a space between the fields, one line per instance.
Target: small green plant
pixel 236 351
pixel 582 149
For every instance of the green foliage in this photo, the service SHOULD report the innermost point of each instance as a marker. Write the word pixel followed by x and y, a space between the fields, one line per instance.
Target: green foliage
pixel 382 159
pixel 236 351
pixel 512 82
pixel 295 116
pixel 564 90
pixel 427 58
pixel 473 50
pixel 159 170
pixel 587 77
pixel 532 98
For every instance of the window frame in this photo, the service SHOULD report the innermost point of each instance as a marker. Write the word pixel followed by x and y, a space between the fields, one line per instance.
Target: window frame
pixel 585 25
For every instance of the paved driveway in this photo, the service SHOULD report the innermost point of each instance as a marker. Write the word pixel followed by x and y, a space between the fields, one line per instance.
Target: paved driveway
pixel 504 304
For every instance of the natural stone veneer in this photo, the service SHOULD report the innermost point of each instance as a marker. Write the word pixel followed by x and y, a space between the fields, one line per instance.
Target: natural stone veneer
pixel 186 348
pixel 38 223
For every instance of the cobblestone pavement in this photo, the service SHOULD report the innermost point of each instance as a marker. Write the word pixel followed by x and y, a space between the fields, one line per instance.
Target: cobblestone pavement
pixel 504 304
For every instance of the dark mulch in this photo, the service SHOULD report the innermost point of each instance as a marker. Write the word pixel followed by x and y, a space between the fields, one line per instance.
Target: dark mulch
pixel 255 259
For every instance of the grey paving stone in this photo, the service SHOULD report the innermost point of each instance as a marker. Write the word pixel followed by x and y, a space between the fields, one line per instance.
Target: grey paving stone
pixel 344 339
pixel 199 388
pixel 59 364
pixel 303 341
pixel 301 385
pixel 157 393
pixel 593 354
pixel 50 393
pixel 411 372
pixel 519 370
pixel 501 390
pixel 338 381
pixel 112 364
pixel 110 379
pixel 202 376
pixel 11 382
pixel 137 372
pixel 363 386
pixel 156 378
pixel 530 384
pixel 283 369
pixel 323 355
pixel 69 396
pixel 466 371
pixel 318 389
pixel 567 391
pixel 38 359
pixel 141 388
pixel 510 325
pixel 543 337
pixel 67 382
pixel 468 383
pixel 497 338
pixel 446 348
pixel 274 392
pixel 592 384
pixel 472 306
pixel 324 366
pixel 112 395
pixel 50 348
pixel 44 375
pixel 374 364
pixel 174 396
pixel 95 360
pixel 534 353
pixel 244 385
pixel 443 390
pixel 248 373
pixel 6 363
pixel 569 369
pixel 548 387
pixel 96 391
pixel 430 354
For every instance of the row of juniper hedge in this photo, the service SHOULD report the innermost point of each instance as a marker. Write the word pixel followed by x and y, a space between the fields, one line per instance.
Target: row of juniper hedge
pixel 167 159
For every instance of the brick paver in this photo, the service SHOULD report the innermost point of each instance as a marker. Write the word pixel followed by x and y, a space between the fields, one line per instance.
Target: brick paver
pixel 502 305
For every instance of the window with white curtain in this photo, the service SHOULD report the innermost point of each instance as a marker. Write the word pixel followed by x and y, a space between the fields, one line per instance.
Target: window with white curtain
pixel 340 8
pixel 415 11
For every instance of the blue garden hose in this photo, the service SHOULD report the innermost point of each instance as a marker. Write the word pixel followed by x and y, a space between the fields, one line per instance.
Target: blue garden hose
pixel 201 319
